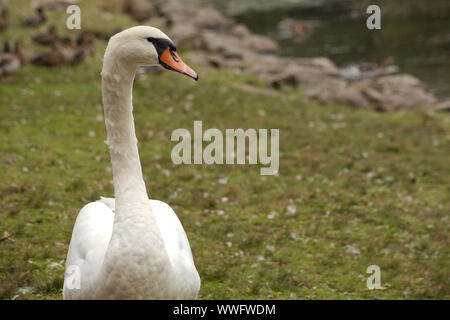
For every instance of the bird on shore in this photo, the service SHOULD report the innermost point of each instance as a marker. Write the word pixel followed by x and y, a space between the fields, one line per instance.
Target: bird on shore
pixel 84 47
pixel 66 51
pixel 36 19
pixel 18 51
pixel 47 38
pixel 11 60
pixel 61 52
pixel 4 22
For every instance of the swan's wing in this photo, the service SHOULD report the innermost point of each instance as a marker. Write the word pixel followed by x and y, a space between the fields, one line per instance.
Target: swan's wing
pixel 177 247
pixel 90 238
pixel 172 231
pixel 110 202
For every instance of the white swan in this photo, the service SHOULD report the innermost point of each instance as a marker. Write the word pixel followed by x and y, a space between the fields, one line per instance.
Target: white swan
pixel 130 247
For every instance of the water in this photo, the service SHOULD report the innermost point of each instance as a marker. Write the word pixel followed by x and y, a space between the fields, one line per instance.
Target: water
pixel 419 43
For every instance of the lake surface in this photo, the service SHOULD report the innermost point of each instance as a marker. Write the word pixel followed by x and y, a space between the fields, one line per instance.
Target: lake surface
pixel 419 43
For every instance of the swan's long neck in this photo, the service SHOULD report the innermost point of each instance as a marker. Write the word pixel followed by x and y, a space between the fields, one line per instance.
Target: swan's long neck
pixel 136 240
pixel 117 90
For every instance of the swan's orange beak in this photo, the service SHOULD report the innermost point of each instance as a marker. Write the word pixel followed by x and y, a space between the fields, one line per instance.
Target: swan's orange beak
pixel 169 59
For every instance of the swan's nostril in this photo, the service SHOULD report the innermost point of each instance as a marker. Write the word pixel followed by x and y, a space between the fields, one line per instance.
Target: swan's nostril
pixel 174 56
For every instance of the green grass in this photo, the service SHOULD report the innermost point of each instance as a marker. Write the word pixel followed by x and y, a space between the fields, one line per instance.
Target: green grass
pixel 368 188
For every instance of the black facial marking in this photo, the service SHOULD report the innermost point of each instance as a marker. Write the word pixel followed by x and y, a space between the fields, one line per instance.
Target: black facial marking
pixel 162 44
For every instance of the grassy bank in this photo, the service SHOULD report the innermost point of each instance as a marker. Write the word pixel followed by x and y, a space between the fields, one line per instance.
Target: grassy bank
pixel 355 188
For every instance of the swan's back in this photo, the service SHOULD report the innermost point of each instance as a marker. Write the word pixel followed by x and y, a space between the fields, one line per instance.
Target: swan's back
pixel 90 239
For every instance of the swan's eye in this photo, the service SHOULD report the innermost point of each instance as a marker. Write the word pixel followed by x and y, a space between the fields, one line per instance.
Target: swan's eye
pixel 161 44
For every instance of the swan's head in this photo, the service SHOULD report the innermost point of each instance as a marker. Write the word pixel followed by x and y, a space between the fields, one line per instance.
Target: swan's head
pixel 146 46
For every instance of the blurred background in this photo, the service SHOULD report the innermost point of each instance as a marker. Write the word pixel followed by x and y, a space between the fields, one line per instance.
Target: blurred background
pixel 415 34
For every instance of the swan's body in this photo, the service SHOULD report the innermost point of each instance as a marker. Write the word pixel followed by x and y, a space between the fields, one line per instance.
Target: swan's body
pixel 130 247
